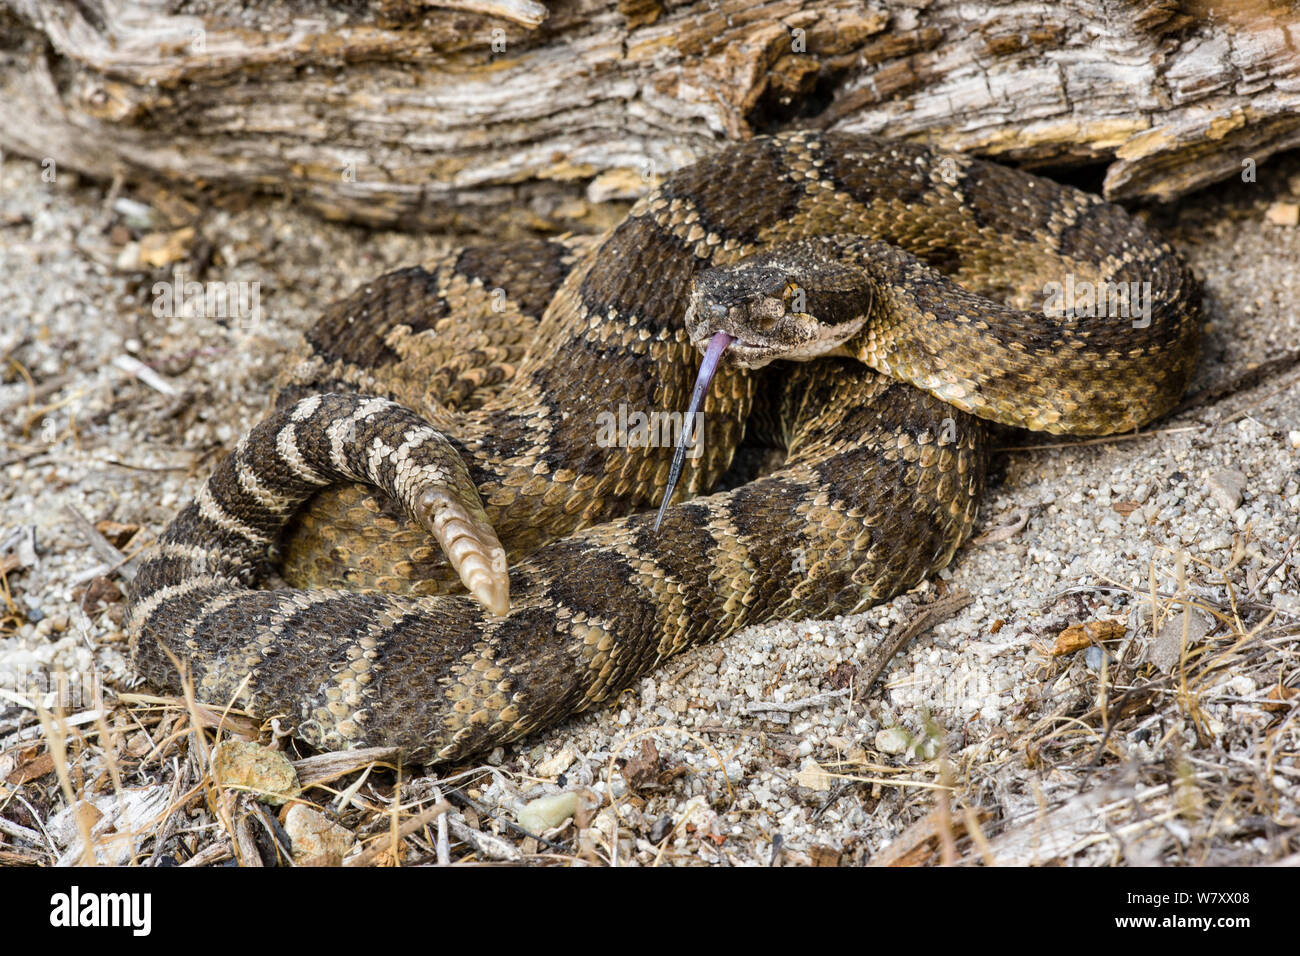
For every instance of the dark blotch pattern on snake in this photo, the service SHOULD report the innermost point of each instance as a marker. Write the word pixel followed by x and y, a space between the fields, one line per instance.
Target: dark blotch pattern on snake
pixel 444 426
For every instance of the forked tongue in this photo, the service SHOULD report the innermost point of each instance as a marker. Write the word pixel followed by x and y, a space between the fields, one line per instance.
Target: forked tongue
pixel 717 345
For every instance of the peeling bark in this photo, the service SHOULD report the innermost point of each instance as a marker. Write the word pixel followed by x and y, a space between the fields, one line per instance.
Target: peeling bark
pixel 492 114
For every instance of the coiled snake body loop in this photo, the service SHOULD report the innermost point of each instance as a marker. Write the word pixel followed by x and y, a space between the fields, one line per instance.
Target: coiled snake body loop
pixel 430 438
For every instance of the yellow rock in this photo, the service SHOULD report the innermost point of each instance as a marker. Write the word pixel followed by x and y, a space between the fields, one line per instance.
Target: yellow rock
pixel 247 766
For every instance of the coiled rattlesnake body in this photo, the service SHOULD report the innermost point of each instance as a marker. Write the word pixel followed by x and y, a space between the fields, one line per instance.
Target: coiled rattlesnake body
pixel 461 406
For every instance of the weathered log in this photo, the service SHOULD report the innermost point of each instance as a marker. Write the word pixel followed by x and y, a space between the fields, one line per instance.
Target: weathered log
pixel 484 114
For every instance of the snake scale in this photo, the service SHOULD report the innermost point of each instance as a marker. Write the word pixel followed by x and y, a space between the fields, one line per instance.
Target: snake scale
pixel 468 561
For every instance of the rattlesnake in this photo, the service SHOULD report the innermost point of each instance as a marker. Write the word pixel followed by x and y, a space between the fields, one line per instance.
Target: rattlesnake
pixel 909 280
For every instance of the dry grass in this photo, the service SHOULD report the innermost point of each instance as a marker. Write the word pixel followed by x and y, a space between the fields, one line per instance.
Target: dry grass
pixel 1079 785
pixel 1218 794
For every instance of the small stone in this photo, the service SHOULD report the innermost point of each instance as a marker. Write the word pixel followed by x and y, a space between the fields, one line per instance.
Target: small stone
pixel 544 813
pixel 101 591
pixel 892 740
pixel 1240 685
pixel 128 260
pixel 316 839
pixel 248 766
pixel 1219 541
pixel 1283 214
pixel 1079 636
pixel 1166 649
pixel 1226 486
pixel 842 675
pixel 813 776
pixel 158 249
pixel 641 770
pixel 557 764
pixel 648 693
pixel 135 214
pixel 1280 697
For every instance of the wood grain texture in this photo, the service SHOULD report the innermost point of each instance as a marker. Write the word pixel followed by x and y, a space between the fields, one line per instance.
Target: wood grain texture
pixel 411 114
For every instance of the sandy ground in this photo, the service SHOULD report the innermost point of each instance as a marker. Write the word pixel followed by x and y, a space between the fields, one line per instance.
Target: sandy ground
pixel 1148 752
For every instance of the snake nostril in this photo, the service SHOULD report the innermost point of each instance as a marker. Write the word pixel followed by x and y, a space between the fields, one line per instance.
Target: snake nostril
pixel 717 311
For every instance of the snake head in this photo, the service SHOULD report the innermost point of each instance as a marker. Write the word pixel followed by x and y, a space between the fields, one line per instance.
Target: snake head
pixel 797 302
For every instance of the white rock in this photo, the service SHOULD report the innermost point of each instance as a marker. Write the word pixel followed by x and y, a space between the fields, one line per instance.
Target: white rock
pixel 1241 685
pixel 1226 487
pixel 542 814
pixel 556 765
pixel 893 740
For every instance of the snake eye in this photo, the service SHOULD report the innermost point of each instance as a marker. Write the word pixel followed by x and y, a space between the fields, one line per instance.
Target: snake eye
pixel 793 296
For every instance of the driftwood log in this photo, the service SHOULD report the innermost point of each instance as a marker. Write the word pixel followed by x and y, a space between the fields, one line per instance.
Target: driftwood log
pixel 484 114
